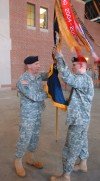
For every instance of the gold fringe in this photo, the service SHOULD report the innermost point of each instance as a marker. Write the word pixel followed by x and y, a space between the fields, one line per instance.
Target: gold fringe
pixel 82 24
pixel 61 106
pixel 83 41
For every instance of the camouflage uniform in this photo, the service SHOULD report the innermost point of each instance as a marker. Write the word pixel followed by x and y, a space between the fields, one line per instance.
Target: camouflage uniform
pixel 78 115
pixel 32 98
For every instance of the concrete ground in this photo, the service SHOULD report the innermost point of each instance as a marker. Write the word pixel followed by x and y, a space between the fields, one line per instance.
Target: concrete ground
pixel 49 151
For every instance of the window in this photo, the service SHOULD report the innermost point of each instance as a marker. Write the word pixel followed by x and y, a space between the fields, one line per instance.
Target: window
pixel 43 18
pixel 92 11
pixel 30 15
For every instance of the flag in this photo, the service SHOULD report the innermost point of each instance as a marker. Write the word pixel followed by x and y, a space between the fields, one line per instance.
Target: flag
pixel 63 28
pixel 72 29
pixel 54 89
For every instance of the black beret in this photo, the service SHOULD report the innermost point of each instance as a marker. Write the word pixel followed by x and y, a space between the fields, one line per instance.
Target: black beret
pixel 74 59
pixel 31 59
pixel 78 59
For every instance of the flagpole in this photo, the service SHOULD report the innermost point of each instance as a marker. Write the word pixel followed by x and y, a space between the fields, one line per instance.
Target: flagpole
pixel 56 124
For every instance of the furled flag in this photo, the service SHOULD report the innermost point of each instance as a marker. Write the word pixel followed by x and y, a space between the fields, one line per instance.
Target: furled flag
pixel 53 87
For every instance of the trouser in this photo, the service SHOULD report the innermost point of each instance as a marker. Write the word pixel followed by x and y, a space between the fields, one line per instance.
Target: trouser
pixel 29 135
pixel 76 145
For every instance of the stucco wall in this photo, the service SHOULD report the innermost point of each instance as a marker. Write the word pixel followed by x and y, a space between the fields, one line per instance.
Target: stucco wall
pixel 5 45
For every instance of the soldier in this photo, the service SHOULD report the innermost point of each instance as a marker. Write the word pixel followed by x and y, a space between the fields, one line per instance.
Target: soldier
pixel 32 98
pixel 78 115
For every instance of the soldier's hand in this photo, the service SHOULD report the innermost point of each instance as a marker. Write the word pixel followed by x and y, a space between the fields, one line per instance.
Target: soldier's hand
pixel 56 51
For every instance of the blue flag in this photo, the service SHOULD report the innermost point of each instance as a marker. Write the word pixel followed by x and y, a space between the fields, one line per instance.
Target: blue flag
pixel 54 88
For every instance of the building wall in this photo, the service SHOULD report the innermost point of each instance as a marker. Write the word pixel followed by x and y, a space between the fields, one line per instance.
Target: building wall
pixel 5 45
pixel 94 30
pixel 35 41
pixel 27 41
pixel 92 27
pixel 79 7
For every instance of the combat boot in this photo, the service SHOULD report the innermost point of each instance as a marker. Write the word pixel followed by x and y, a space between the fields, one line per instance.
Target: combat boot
pixel 30 161
pixel 63 177
pixel 82 166
pixel 19 167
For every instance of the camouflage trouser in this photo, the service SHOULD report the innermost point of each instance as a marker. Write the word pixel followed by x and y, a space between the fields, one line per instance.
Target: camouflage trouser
pixel 29 135
pixel 76 145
